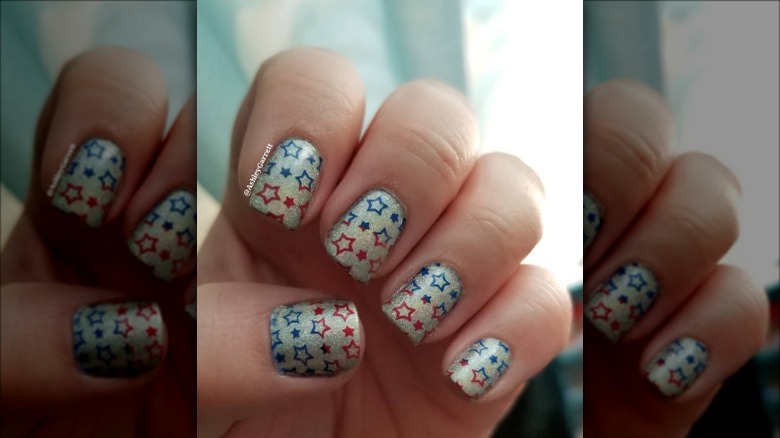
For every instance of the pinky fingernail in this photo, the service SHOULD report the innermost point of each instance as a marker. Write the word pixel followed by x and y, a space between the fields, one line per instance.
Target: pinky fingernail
pixel 591 219
pixel 479 368
pixel 677 366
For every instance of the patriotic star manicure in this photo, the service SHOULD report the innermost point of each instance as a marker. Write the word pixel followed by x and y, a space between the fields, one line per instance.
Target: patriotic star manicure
pixel 122 339
pixel 617 305
pixel 284 188
pixel 424 301
pixel 677 367
pixel 361 239
pixel 319 338
pixel 591 219
pixel 480 367
pixel 90 180
pixel 165 238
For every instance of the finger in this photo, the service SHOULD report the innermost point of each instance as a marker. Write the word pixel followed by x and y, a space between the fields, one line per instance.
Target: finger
pixel 682 233
pixel 423 136
pixel 84 343
pixel 727 316
pixel 160 219
pixel 473 248
pixel 301 122
pixel 521 329
pixel 628 137
pixel 108 113
pixel 255 348
pixel 703 344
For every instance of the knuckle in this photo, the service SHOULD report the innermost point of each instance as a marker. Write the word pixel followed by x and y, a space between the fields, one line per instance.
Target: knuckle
pixel 631 150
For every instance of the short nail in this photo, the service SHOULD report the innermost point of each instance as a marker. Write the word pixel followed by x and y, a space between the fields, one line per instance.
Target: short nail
pixel 677 367
pixel 319 338
pixel 362 238
pixel 90 181
pixel 618 304
pixel 120 339
pixel 480 367
pixel 424 301
pixel 287 182
pixel 591 219
pixel 165 238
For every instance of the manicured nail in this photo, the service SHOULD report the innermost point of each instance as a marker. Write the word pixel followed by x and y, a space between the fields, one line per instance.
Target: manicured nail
pixel 90 180
pixel 361 239
pixel 677 367
pixel 288 180
pixel 423 302
pixel 480 367
pixel 617 305
pixel 591 219
pixel 321 338
pixel 121 339
pixel 165 239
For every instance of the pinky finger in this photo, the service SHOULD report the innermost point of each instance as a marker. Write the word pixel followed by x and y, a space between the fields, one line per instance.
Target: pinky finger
pixel 511 338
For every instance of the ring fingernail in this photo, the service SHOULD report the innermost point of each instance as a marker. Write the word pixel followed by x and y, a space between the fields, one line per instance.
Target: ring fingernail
pixel 165 238
pixel 677 367
pixel 480 367
pixel 320 338
pixel 591 219
pixel 618 304
pixel 121 339
pixel 424 301
pixel 362 238
pixel 89 181
pixel 288 180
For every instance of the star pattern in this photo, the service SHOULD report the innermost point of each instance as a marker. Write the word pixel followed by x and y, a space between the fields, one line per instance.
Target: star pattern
pixel 288 182
pixel 165 239
pixel 674 369
pixel 320 338
pixel 620 302
pixel 429 296
pixel 480 366
pixel 369 223
pixel 591 219
pixel 118 339
pixel 87 187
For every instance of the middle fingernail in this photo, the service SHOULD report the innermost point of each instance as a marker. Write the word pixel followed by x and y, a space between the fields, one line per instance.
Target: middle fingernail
pixel 362 238
pixel 619 303
pixel 165 238
pixel 423 302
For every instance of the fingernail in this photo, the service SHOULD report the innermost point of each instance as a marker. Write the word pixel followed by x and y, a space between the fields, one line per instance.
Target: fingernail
pixel 591 219
pixel 618 304
pixel 287 182
pixel 121 339
pixel 424 301
pixel 480 367
pixel 320 338
pixel 90 181
pixel 165 238
pixel 361 239
pixel 677 367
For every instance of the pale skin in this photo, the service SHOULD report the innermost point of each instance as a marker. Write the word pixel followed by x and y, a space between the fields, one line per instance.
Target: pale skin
pixel 52 263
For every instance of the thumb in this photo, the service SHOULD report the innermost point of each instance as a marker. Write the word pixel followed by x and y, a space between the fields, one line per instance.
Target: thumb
pixel 262 344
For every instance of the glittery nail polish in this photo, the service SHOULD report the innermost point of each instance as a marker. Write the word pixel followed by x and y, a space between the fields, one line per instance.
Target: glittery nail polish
pixel 591 219
pixel 90 180
pixel 618 304
pixel 287 182
pixel 480 367
pixel 118 339
pixel 165 239
pixel 318 338
pixel 361 239
pixel 677 366
pixel 424 301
